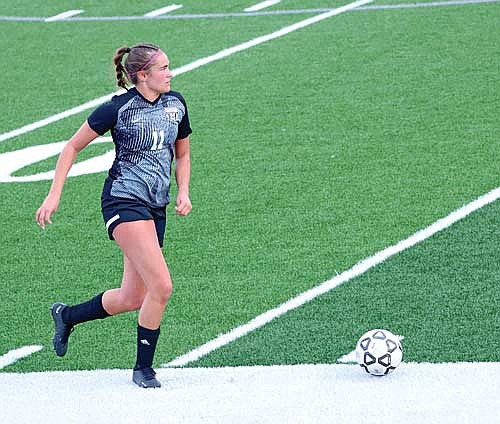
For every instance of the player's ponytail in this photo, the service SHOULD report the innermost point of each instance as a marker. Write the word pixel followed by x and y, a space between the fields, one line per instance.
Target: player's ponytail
pixel 139 58
pixel 121 73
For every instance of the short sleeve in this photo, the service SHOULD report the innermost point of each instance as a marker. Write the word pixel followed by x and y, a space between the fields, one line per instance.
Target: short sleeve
pixel 103 118
pixel 184 125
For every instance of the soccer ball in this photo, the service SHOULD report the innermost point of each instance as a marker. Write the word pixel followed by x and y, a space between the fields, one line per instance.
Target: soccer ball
pixel 379 352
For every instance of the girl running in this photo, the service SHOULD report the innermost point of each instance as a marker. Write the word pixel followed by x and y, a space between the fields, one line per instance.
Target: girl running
pixel 150 126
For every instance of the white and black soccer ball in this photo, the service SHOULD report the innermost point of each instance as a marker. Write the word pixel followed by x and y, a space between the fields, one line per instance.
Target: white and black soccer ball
pixel 379 352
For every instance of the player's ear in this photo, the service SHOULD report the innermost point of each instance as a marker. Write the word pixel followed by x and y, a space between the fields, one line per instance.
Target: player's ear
pixel 141 75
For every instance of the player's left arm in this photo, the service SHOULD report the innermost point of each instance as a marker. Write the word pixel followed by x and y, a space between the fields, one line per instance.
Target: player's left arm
pixel 182 176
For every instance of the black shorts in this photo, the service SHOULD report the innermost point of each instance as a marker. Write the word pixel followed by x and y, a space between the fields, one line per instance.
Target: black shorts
pixel 116 210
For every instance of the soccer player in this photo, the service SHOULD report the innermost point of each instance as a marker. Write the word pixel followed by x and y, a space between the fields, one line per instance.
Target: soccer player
pixel 150 126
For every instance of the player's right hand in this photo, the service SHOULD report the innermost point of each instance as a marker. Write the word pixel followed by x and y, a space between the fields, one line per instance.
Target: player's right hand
pixel 44 212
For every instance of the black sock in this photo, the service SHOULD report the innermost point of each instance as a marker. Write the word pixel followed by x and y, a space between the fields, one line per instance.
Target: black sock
pixel 86 311
pixel 146 345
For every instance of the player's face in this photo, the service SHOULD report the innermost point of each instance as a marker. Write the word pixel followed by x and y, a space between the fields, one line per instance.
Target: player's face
pixel 159 75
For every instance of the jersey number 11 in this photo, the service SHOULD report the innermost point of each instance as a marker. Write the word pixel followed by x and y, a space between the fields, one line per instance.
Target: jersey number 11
pixel 156 145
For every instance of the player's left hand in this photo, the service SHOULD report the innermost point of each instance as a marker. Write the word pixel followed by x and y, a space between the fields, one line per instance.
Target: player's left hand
pixel 183 204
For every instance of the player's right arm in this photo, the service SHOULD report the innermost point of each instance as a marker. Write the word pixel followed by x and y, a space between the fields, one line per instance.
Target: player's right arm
pixel 83 137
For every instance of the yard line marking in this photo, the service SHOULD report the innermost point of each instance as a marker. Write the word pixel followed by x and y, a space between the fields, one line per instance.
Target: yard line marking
pixel 277 34
pixel 262 5
pixel 58 116
pixel 250 14
pixel 16 354
pixel 429 4
pixel 189 67
pixel 357 270
pixel 63 15
pixel 163 10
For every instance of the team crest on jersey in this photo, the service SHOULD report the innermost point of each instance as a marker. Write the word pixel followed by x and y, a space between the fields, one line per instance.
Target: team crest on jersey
pixel 172 112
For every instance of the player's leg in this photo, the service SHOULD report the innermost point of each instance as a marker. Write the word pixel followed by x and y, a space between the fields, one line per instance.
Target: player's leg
pixel 139 243
pixel 66 317
pixel 129 296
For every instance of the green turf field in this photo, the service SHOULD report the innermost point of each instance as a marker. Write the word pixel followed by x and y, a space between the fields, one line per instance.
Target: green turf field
pixel 310 153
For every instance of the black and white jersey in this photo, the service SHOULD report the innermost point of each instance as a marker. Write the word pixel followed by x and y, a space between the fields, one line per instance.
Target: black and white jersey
pixel 144 134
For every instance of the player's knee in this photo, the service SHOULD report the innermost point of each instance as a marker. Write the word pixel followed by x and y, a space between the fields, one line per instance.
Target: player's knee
pixel 162 291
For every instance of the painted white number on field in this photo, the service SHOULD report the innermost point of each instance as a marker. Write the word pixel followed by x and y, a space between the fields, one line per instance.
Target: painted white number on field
pixel 11 162
pixel 156 145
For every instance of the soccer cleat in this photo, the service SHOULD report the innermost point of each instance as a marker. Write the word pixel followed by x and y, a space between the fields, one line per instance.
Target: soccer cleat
pixel 146 378
pixel 62 330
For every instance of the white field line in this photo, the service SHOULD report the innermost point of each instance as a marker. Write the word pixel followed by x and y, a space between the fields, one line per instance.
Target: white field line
pixel 262 5
pixel 348 358
pixel 189 67
pixel 277 34
pixel 428 4
pixel 248 14
pixel 357 270
pixel 163 10
pixel 58 116
pixel 16 354
pixel 448 393
pixel 64 15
